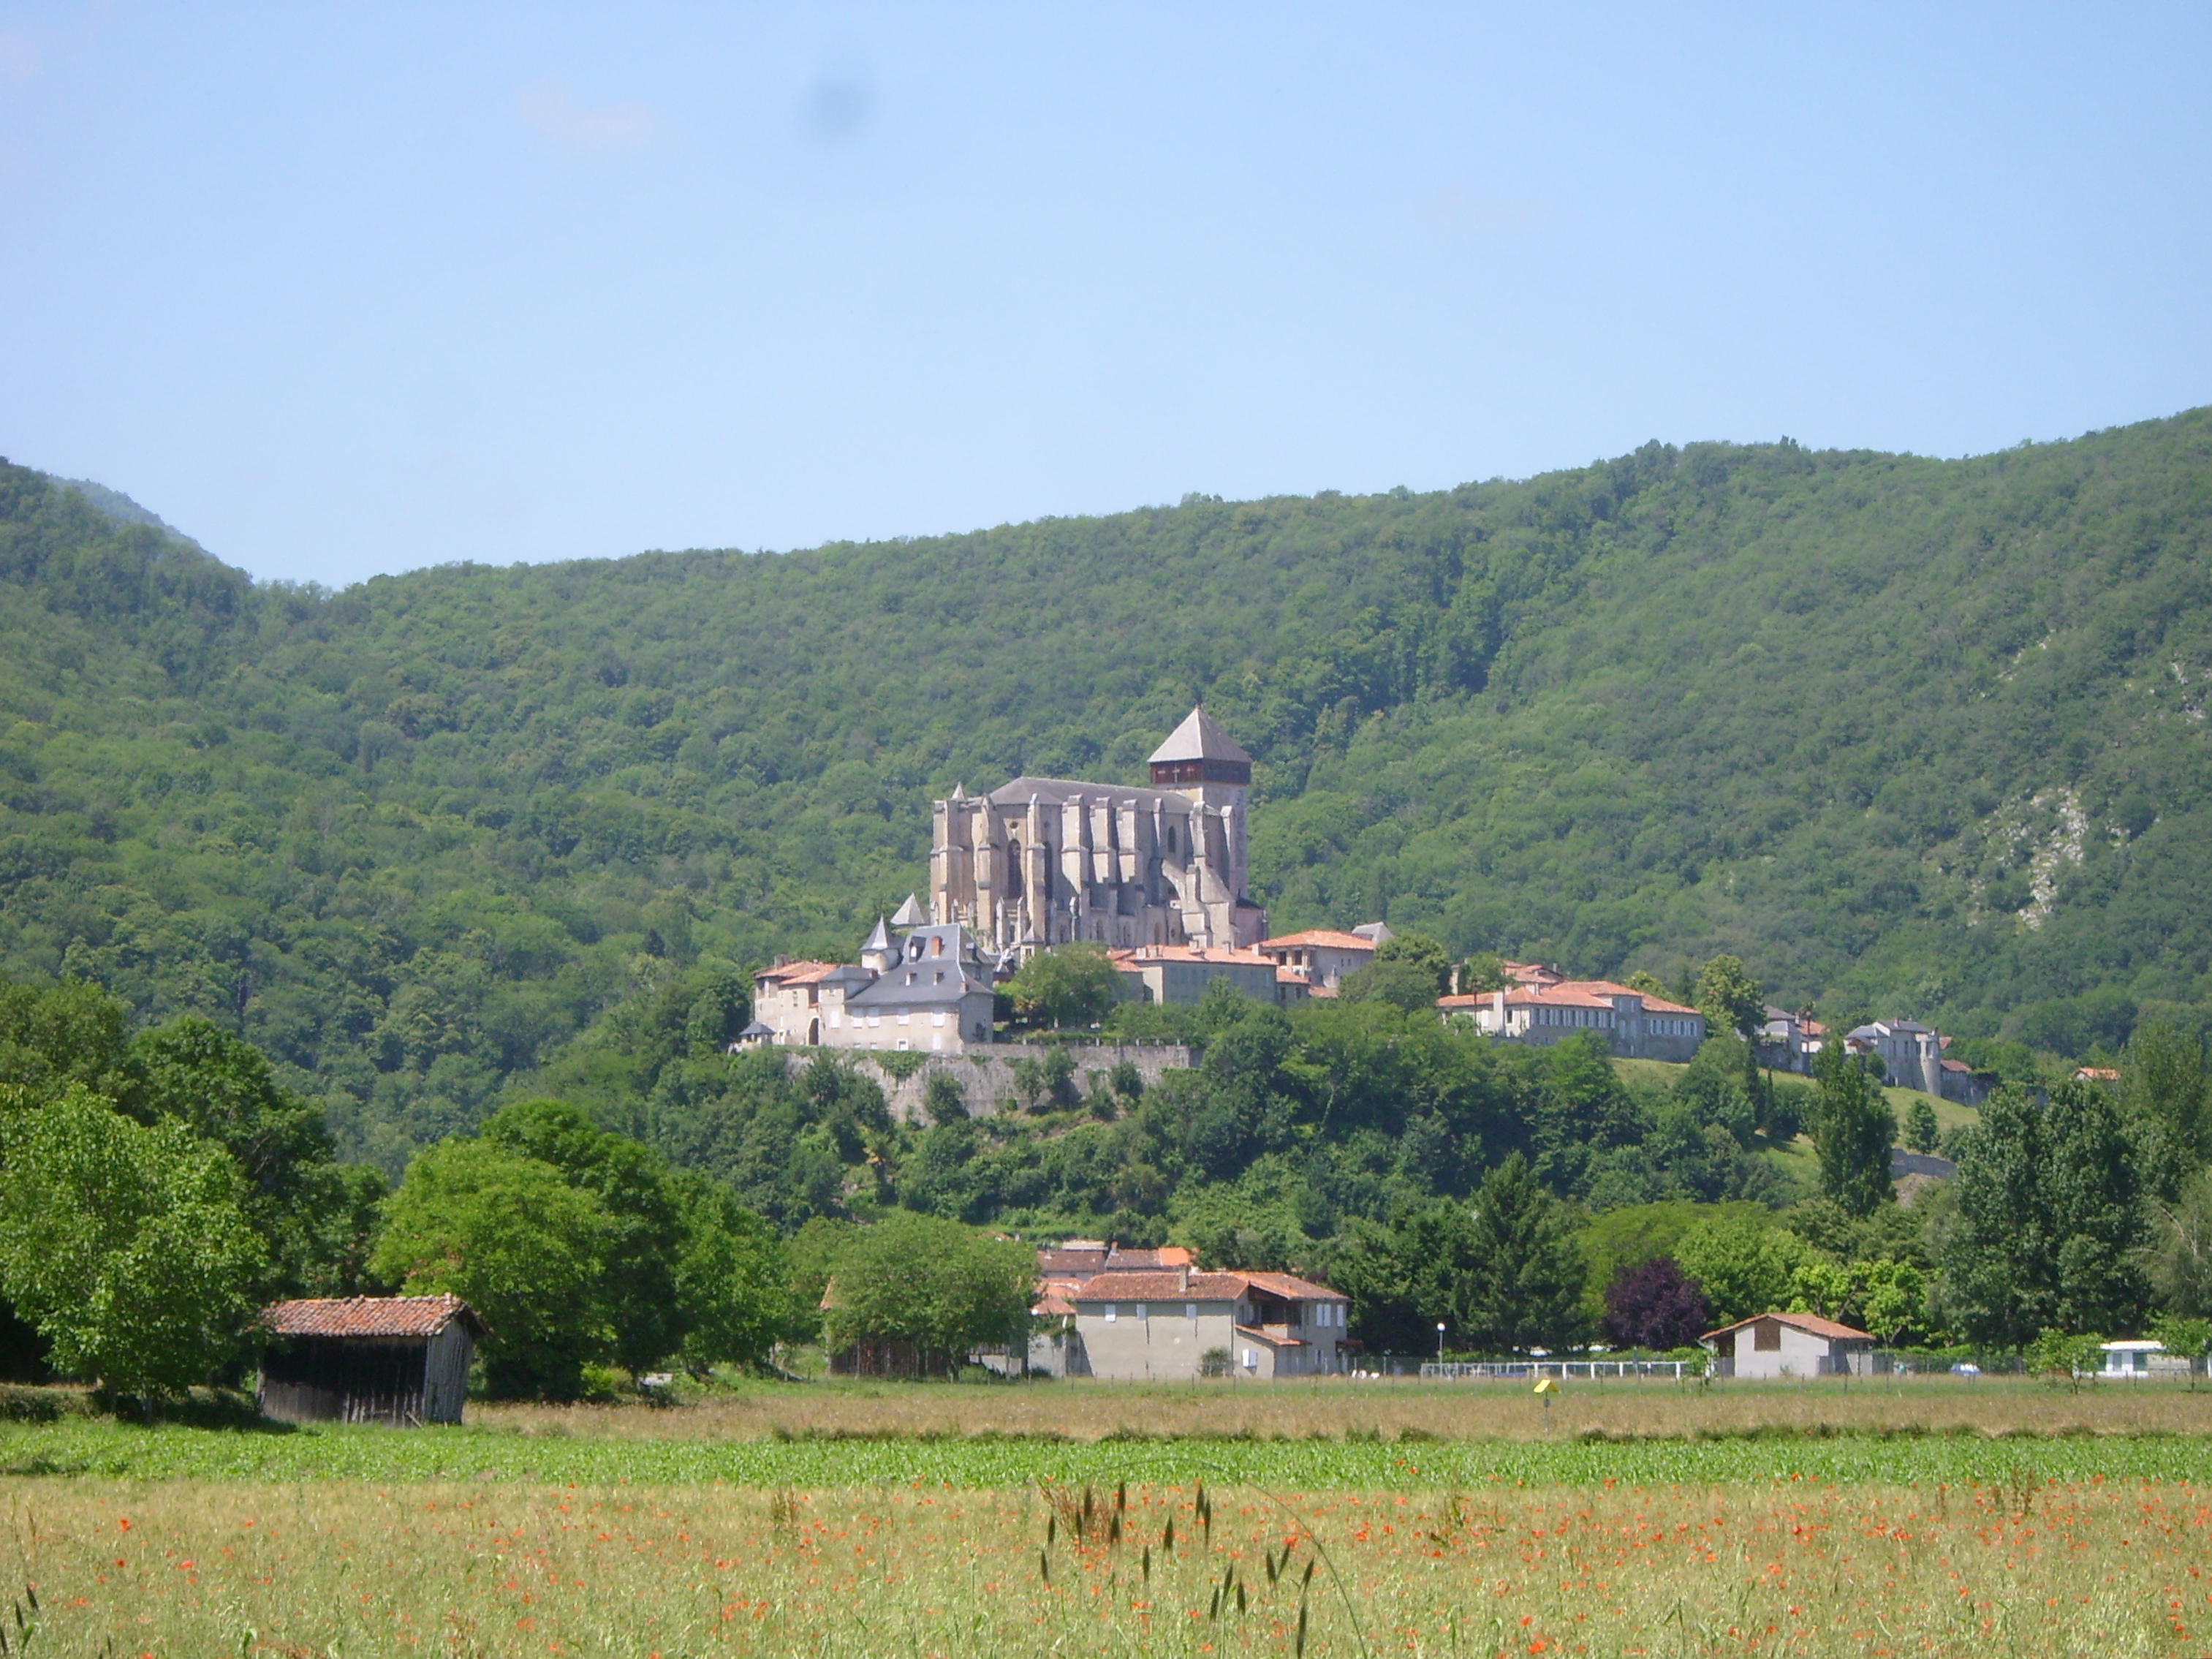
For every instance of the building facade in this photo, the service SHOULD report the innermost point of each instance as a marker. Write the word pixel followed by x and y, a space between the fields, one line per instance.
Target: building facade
pixel 1045 861
pixel 1912 1054
pixel 1319 956
pixel 1777 1345
pixel 1177 1325
pixel 1635 1025
pixel 927 990
pixel 1181 973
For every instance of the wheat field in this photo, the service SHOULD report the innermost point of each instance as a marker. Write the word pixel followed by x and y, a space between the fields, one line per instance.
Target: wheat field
pixel 205 1569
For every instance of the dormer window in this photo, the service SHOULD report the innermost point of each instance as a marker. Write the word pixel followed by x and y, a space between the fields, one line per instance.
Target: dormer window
pixel 909 979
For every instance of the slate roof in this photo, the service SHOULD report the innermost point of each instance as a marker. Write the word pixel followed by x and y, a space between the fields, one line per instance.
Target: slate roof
pixel 1056 792
pixel 1198 738
pixel 374 1317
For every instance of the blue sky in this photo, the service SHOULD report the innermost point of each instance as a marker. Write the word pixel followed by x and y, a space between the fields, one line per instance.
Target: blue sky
pixel 342 290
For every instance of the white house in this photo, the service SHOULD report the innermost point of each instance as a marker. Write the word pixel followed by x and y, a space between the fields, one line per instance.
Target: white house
pixel 1319 956
pixel 928 991
pixel 2131 1362
pixel 1152 1326
pixel 1635 1025
pixel 1789 1345
pixel 1912 1054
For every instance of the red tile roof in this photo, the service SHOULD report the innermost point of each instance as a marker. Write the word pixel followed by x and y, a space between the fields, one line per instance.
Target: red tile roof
pixel 1567 994
pixel 1811 1324
pixel 1203 1287
pixel 368 1316
pixel 800 972
pixel 1322 938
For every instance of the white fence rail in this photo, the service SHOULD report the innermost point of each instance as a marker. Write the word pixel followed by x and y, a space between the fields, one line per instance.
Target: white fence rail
pixel 1452 1370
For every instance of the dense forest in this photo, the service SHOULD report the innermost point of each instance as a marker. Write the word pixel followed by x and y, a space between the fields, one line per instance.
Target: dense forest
pixel 1906 736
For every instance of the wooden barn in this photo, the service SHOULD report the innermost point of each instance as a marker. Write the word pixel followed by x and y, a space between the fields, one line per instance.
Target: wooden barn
pixel 398 1359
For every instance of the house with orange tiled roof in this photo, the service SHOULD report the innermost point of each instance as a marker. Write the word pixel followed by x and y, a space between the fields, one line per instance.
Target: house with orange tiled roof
pixel 1635 1025
pixel 1319 956
pixel 1179 1324
pixel 1181 973
pixel 1772 1344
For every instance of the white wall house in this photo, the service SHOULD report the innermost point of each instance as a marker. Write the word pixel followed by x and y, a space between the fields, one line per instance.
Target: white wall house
pixel 1635 1025
pixel 1773 1344
pixel 1319 956
pixel 927 991
pixel 1160 1327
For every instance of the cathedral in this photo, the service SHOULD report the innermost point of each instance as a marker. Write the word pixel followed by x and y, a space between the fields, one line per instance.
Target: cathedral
pixel 1046 861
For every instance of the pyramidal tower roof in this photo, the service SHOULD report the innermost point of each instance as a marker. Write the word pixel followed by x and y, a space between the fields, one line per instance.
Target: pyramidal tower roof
pixel 880 939
pixel 1200 737
pixel 910 915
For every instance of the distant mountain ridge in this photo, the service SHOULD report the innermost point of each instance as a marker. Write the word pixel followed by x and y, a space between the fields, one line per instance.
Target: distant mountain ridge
pixel 1910 737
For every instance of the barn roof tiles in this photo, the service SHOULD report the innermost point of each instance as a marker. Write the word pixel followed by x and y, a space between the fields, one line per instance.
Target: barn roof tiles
pixel 367 1315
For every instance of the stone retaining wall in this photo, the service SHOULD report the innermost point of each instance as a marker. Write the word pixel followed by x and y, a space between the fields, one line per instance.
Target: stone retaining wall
pixel 986 1072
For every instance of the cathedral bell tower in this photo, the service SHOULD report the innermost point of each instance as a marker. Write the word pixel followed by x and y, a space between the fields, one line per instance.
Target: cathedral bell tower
pixel 1209 769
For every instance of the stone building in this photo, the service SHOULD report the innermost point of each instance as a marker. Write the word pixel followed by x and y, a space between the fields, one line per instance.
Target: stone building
pixel 926 990
pixel 1045 861
pixel 1635 1025
pixel 1181 973
pixel 1161 1327
pixel 1322 958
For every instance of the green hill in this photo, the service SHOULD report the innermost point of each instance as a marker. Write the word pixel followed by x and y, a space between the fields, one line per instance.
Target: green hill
pixel 1906 735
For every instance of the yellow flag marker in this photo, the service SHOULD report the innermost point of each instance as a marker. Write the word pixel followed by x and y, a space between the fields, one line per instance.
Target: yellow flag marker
pixel 1546 1385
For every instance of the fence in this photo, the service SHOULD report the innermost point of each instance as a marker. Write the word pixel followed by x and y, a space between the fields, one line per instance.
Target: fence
pixel 1455 1370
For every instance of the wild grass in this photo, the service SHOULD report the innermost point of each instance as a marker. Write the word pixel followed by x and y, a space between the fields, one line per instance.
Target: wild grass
pixel 1454 1411
pixel 1802 1567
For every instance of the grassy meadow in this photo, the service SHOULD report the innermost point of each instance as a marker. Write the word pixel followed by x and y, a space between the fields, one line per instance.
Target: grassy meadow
pixel 1933 1515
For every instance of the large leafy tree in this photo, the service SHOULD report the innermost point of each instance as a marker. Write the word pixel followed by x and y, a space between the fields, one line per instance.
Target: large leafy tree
pixel 125 1246
pixel 645 1224
pixel 732 1281
pixel 943 1288
pixel 511 1235
pixel 1853 1130
pixel 1410 971
pixel 2049 1217
pixel 1070 985
pixel 1406 1279
pixel 1653 1304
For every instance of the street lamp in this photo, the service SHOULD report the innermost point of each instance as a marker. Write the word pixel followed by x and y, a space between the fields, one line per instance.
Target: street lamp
pixel 1440 1342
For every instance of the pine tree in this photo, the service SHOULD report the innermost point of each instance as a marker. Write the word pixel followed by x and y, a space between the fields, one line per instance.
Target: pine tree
pixel 1853 1130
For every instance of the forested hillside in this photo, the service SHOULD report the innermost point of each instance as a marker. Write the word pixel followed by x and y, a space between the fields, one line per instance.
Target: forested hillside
pixel 1905 735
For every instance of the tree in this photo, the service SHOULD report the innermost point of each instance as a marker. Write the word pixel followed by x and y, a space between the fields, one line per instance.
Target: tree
pixel 944 1099
pixel 509 1234
pixel 1529 1292
pixel 1409 971
pixel 942 1288
pixel 1922 1132
pixel 1653 1304
pixel 1068 986
pixel 2167 1092
pixel 2047 1220
pixel 645 1233
pixel 1730 999
pixel 2187 1337
pixel 1745 1265
pixel 2181 1249
pixel 732 1281
pixel 1852 1131
pixel 1403 1278
pixel 1483 971
pixel 124 1246
pixel 222 1088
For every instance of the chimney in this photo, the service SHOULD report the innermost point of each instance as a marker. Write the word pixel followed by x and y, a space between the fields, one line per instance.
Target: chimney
pixel 1183 1273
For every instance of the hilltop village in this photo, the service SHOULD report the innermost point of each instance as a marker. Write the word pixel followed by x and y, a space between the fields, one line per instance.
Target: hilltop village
pixel 1156 877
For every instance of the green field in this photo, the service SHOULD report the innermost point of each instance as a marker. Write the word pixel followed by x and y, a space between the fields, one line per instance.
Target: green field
pixel 1349 1461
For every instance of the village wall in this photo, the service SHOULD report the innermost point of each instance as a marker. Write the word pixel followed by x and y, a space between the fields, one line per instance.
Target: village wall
pixel 986 1072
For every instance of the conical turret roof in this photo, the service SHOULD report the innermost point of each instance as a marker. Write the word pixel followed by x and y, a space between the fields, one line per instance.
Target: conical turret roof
pixel 880 939
pixel 1198 738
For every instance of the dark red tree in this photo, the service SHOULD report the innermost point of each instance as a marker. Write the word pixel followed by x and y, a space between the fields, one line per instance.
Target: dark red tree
pixel 1654 1304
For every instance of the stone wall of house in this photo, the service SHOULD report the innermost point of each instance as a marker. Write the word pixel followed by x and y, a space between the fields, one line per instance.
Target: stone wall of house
pixel 986 1072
